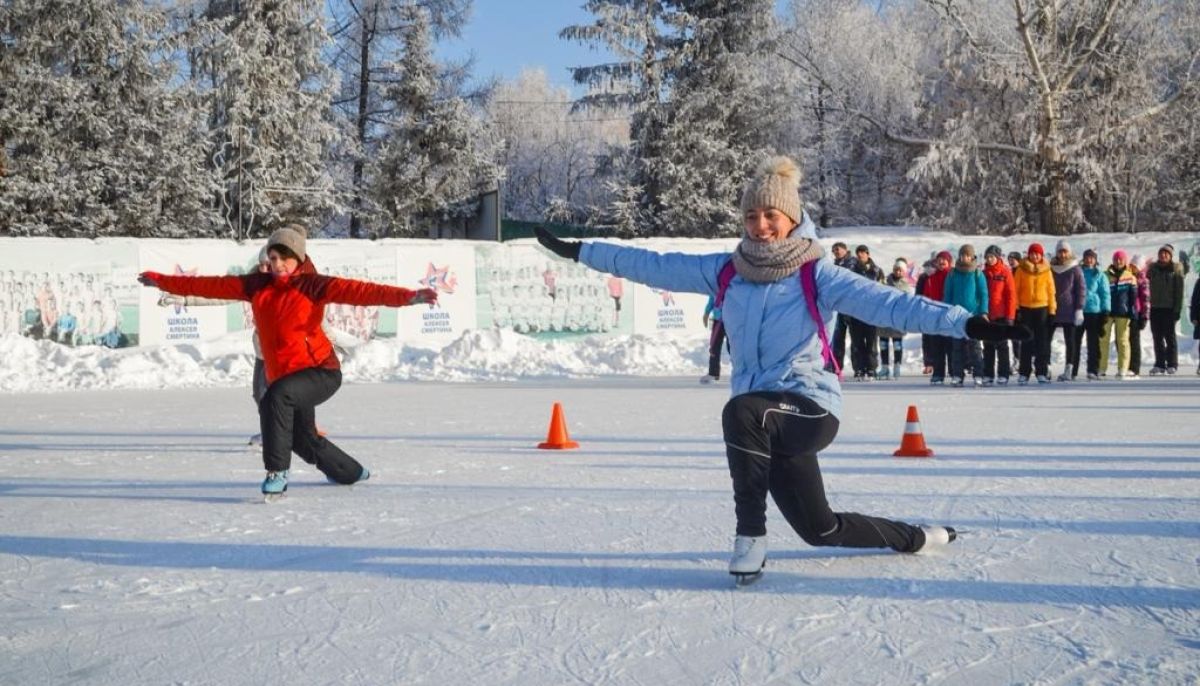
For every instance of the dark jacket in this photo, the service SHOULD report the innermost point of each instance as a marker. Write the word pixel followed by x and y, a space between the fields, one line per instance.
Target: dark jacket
pixel 1123 289
pixel 868 269
pixel 1166 287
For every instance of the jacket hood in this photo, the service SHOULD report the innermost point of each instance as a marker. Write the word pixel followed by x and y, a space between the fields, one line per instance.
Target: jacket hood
pixel 1027 266
pixel 1061 266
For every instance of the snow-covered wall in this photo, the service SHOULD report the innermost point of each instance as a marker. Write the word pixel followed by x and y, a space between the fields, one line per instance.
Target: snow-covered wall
pixel 82 292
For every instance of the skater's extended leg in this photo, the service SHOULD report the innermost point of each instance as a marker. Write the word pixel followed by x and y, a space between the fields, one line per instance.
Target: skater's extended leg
pixel 799 493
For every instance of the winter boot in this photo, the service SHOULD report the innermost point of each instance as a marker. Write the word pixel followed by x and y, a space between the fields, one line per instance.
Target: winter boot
pixel 275 483
pixel 749 555
pixel 1066 375
pixel 936 537
pixel 896 371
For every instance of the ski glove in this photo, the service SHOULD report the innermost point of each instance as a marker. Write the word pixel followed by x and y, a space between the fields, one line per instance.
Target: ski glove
pixel 424 295
pixel 980 329
pixel 149 279
pixel 1078 317
pixel 568 249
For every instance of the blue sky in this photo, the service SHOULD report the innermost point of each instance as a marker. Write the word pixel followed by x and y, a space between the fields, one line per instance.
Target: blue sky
pixel 508 35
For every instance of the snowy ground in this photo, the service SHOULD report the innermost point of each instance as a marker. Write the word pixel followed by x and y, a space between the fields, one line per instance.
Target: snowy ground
pixel 134 549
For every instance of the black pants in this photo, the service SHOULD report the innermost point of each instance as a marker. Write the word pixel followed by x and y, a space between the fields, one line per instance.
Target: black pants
pixel 939 349
pixel 1093 327
pixel 771 442
pixel 839 341
pixel 964 352
pixel 259 384
pixel 1162 330
pixel 1071 341
pixel 864 347
pixel 897 345
pixel 715 342
pixel 1037 319
pixel 288 418
pixel 995 360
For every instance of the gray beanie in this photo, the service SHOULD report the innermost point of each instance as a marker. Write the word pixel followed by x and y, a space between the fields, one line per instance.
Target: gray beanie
pixel 1064 245
pixel 775 183
pixel 291 237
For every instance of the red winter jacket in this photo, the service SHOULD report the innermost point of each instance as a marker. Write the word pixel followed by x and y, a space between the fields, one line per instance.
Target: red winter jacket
pixel 935 285
pixel 289 309
pixel 1002 292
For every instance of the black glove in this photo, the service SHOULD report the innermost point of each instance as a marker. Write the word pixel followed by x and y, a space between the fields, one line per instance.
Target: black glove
pixel 980 329
pixel 556 245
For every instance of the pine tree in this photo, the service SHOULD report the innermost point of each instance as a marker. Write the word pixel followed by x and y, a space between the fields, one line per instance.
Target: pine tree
pixel 701 113
pixel 437 157
pixel 270 123
pixel 99 138
pixel 367 36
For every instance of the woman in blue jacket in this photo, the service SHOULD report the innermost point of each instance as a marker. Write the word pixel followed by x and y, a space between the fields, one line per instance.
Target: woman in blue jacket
pixel 785 405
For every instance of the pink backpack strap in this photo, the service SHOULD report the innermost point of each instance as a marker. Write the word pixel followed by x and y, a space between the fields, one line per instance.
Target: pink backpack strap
pixel 724 277
pixel 808 279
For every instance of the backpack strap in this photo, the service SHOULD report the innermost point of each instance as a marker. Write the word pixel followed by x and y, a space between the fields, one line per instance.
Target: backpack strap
pixel 808 280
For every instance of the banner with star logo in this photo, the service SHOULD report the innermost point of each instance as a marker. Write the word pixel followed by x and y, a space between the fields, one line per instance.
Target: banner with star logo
pixel 447 268
pixel 170 319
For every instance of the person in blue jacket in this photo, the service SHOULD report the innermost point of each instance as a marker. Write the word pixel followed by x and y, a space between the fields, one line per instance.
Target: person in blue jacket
pixel 785 405
pixel 966 287
pixel 1097 301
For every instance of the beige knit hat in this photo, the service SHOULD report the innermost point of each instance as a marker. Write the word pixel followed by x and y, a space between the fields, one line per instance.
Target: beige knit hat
pixel 776 183
pixel 291 237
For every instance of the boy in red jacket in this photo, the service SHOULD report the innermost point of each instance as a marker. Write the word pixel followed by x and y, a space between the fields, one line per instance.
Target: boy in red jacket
pixel 1002 309
pixel 302 369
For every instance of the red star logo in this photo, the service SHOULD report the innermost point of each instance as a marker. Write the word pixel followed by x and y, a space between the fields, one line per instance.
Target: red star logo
pixel 441 279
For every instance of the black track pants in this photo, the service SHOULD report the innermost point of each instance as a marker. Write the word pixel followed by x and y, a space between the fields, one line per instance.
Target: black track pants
pixel 288 418
pixel 771 441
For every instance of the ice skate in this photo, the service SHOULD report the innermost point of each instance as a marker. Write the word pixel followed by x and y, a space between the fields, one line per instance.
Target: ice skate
pixel 256 440
pixel 1172 371
pixel 274 486
pixel 883 373
pixel 1066 375
pixel 1002 381
pixel 936 537
pixel 1092 376
pixel 957 382
pixel 1156 371
pixel 749 558
pixel 1043 379
pixel 980 383
pixel 1022 380
pixel 708 378
pixel 896 371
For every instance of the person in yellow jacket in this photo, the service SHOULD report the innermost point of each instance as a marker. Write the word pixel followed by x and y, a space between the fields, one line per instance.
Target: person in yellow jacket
pixel 1036 304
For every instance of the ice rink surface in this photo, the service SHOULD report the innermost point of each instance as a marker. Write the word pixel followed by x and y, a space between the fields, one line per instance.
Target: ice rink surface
pixel 135 549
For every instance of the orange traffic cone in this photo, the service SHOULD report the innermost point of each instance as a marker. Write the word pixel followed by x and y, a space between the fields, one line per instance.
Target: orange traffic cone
pixel 912 443
pixel 557 438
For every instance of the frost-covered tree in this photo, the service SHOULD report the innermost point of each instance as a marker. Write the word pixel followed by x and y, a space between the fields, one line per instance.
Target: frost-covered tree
pixel 368 35
pixel 270 119
pixel 100 138
pixel 436 155
pixel 1088 80
pixel 703 107
pixel 556 159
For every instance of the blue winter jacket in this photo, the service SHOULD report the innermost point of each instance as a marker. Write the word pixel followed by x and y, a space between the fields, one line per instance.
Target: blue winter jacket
pixel 772 338
pixel 967 289
pixel 1097 298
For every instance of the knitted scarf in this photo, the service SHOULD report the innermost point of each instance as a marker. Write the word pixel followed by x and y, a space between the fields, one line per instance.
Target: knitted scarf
pixel 764 262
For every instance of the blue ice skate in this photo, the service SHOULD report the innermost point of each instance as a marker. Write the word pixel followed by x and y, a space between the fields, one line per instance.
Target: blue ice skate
pixel 275 484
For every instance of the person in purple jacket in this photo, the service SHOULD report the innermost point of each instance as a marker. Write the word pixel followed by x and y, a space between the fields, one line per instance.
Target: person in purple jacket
pixel 1070 291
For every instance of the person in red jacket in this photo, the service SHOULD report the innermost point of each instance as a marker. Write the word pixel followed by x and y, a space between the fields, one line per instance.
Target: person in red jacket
pixel 302 369
pixel 935 289
pixel 1002 309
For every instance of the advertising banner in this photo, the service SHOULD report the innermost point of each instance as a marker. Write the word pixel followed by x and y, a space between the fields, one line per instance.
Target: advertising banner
pixel 166 318
pixel 449 269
